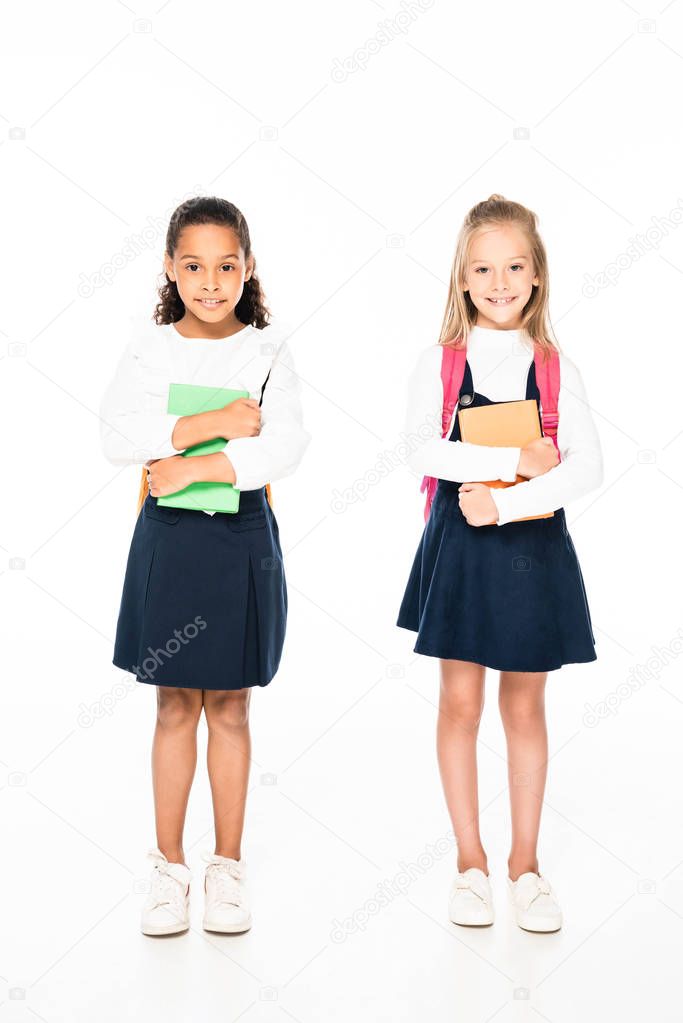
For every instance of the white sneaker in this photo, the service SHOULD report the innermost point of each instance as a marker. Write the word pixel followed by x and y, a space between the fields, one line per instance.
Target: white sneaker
pixel 226 909
pixel 167 909
pixel 534 902
pixel 470 902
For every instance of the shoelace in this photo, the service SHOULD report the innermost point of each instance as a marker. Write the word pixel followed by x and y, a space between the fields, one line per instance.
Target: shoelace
pixel 463 883
pixel 226 877
pixel 166 889
pixel 541 887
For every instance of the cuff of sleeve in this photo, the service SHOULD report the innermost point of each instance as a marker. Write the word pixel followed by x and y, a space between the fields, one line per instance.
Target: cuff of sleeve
pixel 500 499
pixel 164 447
pixel 509 463
pixel 234 456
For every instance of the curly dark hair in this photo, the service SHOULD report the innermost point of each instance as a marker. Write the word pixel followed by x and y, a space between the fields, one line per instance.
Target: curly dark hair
pixel 251 308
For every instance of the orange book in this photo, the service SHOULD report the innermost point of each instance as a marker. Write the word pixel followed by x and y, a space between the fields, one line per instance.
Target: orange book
pixel 507 424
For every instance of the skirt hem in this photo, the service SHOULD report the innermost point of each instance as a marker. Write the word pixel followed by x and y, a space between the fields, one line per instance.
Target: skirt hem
pixel 474 658
pixel 193 685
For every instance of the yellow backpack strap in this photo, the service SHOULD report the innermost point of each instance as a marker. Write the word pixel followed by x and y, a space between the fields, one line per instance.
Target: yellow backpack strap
pixel 144 490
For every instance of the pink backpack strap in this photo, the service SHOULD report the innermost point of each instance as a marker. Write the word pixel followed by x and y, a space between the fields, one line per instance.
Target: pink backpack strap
pixel 452 372
pixel 548 380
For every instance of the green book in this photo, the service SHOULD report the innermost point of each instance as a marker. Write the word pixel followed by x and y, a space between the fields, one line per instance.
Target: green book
pixel 188 400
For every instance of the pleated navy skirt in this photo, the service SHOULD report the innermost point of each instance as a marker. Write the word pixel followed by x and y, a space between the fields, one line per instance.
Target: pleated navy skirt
pixel 204 602
pixel 508 597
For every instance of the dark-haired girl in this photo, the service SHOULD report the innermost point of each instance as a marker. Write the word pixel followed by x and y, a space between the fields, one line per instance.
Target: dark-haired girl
pixel 204 603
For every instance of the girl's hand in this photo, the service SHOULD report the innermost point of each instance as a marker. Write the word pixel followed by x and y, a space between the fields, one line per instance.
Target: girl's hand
pixel 168 475
pixel 477 505
pixel 538 457
pixel 241 418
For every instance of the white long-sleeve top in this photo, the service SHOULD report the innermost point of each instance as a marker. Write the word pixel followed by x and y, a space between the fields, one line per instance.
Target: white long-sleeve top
pixel 500 361
pixel 135 426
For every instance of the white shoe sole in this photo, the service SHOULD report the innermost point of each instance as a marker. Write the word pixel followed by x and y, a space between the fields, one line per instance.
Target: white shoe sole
pixel 484 919
pixel 541 925
pixel 159 930
pixel 472 923
pixel 223 929
pixel 226 928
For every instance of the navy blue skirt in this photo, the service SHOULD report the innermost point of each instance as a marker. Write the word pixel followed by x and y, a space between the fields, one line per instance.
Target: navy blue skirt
pixel 204 602
pixel 509 597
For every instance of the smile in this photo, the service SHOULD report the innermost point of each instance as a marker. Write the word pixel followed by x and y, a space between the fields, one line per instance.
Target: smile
pixel 502 301
pixel 210 302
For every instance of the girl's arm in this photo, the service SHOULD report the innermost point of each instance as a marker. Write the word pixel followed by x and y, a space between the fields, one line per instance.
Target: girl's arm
pixel 279 447
pixel 431 455
pixel 581 468
pixel 130 431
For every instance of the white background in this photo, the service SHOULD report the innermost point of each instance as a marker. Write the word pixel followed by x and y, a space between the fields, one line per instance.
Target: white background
pixel 354 191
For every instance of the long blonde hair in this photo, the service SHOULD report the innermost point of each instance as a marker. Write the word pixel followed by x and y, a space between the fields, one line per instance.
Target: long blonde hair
pixel 461 313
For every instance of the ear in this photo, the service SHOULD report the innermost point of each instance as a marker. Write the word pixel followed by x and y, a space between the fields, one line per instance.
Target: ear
pixel 249 268
pixel 168 267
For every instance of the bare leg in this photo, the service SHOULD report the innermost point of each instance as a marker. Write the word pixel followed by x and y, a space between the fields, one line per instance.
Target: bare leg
pixel 522 708
pixel 174 759
pixel 461 702
pixel 228 759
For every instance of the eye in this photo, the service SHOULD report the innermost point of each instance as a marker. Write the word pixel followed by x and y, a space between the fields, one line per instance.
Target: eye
pixel 229 266
pixel 190 265
pixel 518 265
pixel 480 268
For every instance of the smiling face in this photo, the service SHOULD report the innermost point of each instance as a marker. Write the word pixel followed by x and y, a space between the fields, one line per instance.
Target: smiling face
pixel 209 269
pixel 499 276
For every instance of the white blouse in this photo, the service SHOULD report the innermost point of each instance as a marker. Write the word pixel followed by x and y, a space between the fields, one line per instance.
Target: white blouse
pixel 135 426
pixel 500 361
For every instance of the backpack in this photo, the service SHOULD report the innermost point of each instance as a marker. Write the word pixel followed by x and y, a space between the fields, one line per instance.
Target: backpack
pixel 452 372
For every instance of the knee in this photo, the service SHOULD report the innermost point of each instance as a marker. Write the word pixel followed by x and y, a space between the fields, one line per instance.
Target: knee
pixel 522 713
pixel 178 708
pixel 226 709
pixel 462 710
